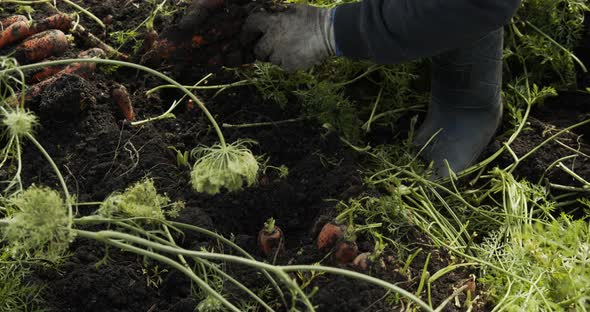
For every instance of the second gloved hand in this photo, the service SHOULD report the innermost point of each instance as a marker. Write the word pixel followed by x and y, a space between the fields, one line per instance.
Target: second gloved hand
pixel 298 38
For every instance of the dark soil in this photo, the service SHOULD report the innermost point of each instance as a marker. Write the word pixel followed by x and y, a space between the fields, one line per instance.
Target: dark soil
pixel 83 130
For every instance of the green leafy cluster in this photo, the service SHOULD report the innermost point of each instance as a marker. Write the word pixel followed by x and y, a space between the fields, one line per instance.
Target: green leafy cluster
pixel 141 200
pixel 38 224
pixel 18 122
pixel 323 93
pixel 15 294
pixel 544 35
pixel 223 166
pixel 549 266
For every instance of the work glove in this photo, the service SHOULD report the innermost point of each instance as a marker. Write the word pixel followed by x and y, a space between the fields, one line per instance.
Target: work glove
pixel 298 38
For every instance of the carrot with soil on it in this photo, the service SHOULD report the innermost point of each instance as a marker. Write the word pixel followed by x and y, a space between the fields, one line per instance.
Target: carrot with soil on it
pixel 22 29
pixel 60 21
pixel 83 70
pixel 41 46
pixel 345 252
pixel 13 19
pixel 123 100
pixel 270 238
pixel 329 235
pixel 14 33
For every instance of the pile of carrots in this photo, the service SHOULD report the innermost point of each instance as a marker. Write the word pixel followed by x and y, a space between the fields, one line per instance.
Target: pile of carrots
pixel 39 40
pixel 42 39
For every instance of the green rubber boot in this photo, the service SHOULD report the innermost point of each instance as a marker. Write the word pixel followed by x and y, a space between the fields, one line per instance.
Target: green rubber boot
pixel 465 105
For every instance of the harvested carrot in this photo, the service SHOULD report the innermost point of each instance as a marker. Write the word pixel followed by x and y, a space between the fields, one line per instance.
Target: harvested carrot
pixel 362 261
pixel 41 46
pixel 45 73
pixel 23 29
pixel 270 238
pixel 329 235
pixel 13 19
pixel 14 33
pixel 83 70
pixel 59 21
pixel 121 97
pixel 345 252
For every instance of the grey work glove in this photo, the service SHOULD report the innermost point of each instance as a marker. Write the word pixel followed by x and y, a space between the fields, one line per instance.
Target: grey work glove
pixel 298 38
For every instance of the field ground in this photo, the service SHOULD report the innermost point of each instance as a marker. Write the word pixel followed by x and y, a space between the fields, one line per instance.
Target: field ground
pixel 380 193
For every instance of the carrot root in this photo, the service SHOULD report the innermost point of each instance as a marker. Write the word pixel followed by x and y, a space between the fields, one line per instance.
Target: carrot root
pixel 13 19
pixel 121 97
pixel 41 46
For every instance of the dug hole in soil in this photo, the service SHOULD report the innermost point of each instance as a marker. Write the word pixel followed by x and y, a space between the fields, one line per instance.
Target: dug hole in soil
pixel 83 130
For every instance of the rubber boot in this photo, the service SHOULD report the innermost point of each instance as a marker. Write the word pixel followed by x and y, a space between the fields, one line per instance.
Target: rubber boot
pixel 465 104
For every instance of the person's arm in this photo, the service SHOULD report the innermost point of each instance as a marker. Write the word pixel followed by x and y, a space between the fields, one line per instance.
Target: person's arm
pixel 385 31
pixel 393 31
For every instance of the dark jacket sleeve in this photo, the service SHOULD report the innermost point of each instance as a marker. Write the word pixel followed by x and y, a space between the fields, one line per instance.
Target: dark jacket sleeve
pixel 394 31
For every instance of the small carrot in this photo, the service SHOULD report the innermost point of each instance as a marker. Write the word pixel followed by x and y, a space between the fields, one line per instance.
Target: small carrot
pixel 329 235
pixel 270 238
pixel 121 97
pixel 150 38
pixel 14 33
pixel 41 46
pixel 13 19
pixel 345 252
pixel 362 261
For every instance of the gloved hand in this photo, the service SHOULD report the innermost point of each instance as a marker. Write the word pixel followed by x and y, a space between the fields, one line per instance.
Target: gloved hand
pixel 298 38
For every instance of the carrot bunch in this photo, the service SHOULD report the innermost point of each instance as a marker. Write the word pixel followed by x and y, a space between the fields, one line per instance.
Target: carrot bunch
pixel 17 28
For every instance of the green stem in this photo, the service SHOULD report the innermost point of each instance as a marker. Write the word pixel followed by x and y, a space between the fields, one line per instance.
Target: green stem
pixel 367 125
pixel 549 139
pixel 99 219
pixel 163 259
pixel 83 10
pixel 134 66
pixel 23 2
pixel 218 271
pixel 280 270
pixel 572 55
pixel 212 87
pixel 264 124
pixel 59 177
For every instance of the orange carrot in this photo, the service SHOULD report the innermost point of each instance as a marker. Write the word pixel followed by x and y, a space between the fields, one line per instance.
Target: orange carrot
pixel 83 70
pixel 329 235
pixel 121 97
pixel 59 21
pixel 345 252
pixel 41 46
pixel 23 29
pixel 270 238
pixel 14 33
pixel 45 73
pixel 13 19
